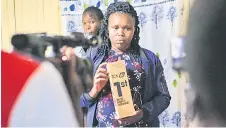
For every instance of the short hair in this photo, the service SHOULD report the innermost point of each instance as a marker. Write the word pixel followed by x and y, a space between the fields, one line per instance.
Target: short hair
pixel 20 41
pixel 94 10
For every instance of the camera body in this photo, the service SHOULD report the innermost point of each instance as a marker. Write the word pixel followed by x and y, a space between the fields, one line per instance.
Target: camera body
pixel 36 43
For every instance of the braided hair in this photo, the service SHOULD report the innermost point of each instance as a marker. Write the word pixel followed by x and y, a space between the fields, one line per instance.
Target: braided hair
pixel 122 7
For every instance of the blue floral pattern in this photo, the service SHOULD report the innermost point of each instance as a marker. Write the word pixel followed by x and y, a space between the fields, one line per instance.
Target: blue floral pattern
pixel 71 26
pixel 176 119
pixel 164 118
pixel 172 14
pixel 157 15
pixel 143 19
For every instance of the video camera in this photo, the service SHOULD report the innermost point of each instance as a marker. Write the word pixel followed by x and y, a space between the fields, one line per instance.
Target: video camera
pixel 37 43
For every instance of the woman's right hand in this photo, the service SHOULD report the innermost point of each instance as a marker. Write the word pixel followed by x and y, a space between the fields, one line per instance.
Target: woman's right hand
pixel 100 80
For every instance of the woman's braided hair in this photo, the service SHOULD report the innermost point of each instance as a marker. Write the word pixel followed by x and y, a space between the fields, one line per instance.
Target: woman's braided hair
pixel 122 7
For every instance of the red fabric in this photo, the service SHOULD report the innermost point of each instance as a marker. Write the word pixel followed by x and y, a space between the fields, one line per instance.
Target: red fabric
pixel 16 69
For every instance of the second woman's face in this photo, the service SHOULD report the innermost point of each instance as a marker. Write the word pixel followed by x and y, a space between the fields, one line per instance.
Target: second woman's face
pixel 121 29
pixel 91 23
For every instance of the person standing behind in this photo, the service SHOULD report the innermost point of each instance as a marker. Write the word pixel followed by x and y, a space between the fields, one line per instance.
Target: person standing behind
pixel 92 18
pixel 91 21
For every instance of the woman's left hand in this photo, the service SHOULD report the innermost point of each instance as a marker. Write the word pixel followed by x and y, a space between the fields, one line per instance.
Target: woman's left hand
pixel 132 119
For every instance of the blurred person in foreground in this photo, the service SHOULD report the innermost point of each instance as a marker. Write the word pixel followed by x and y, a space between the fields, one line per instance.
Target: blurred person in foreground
pixel 206 62
pixel 33 94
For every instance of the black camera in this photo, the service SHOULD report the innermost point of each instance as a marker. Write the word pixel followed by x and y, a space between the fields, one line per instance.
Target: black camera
pixel 37 43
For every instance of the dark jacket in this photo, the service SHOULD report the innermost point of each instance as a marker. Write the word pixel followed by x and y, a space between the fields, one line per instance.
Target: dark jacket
pixel 156 97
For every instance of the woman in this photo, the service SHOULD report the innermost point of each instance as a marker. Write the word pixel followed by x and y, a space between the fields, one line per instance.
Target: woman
pixel 120 34
pixel 91 19
pixel 91 22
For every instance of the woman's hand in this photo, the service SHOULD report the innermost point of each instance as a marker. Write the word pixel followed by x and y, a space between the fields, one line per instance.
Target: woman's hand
pixel 138 115
pixel 100 80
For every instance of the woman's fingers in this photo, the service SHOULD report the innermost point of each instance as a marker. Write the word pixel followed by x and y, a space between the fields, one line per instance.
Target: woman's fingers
pixel 101 75
pixel 101 70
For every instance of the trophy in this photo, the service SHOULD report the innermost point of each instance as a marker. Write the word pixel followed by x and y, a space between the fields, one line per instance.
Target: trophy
pixel 120 89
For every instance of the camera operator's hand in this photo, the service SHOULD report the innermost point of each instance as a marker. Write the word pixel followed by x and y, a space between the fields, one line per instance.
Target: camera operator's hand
pixel 100 80
pixel 68 55
pixel 74 79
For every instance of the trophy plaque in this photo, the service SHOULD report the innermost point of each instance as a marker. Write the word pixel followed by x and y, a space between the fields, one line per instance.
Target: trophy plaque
pixel 120 89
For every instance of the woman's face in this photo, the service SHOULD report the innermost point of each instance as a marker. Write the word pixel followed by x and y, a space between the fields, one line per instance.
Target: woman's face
pixel 91 23
pixel 121 29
